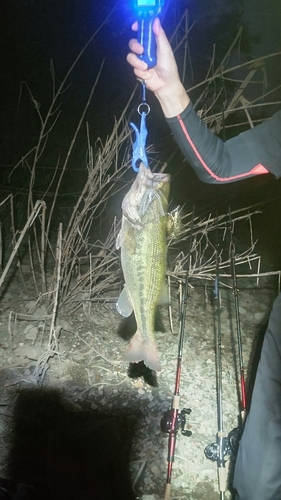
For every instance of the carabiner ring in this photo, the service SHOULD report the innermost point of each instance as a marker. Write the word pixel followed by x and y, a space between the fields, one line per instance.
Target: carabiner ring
pixel 147 108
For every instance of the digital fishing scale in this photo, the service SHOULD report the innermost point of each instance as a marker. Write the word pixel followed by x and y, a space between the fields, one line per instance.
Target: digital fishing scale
pixel 146 11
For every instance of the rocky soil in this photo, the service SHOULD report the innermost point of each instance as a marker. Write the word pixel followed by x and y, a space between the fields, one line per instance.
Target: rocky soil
pixel 88 375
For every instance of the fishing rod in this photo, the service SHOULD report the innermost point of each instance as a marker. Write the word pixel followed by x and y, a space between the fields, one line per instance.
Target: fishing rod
pixel 220 449
pixel 243 405
pixel 174 419
pixel 235 434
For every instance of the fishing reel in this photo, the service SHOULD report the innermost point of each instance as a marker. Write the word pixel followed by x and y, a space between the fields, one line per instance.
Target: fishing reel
pixel 180 423
pixel 234 438
pixel 218 450
pixel 226 445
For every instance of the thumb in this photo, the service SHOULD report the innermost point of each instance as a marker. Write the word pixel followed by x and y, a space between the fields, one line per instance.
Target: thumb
pixel 157 28
pixel 160 35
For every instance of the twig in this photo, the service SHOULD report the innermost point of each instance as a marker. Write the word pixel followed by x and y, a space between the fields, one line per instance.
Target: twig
pixel 34 214
pixel 57 289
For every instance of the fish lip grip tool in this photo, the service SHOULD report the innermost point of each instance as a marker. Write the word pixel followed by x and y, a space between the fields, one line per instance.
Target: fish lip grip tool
pixel 147 11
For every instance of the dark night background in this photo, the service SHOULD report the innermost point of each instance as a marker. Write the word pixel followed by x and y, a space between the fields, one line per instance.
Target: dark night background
pixel 34 32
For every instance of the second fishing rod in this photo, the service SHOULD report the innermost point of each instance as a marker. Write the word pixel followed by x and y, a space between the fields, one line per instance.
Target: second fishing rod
pixel 218 451
pixel 235 434
pixel 174 419
pixel 243 404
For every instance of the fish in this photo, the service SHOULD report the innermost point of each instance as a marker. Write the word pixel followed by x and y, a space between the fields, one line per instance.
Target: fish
pixel 143 242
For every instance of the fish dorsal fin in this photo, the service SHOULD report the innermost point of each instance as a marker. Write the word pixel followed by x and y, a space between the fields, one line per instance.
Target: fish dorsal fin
pixel 123 304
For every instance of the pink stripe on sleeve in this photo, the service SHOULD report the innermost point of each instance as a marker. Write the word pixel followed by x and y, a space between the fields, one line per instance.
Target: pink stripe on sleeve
pixel 256 170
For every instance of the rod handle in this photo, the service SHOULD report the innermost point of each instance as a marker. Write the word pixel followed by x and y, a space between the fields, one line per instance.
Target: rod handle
pixel 168 491
pixel 243 416
pixel 222 475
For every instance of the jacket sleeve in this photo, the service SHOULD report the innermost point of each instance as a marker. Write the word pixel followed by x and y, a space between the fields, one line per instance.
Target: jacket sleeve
pixel 254 152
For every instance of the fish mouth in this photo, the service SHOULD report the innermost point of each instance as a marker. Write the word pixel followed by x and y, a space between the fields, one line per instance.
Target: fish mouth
pixel 150 179
pixel 147 187
pixel 154 187
pixel 152 182
pixel 149 196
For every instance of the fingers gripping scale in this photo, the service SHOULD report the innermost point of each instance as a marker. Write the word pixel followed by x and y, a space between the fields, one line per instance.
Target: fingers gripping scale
pixel 147 11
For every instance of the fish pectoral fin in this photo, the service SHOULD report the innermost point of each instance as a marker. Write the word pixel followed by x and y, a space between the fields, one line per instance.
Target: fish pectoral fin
pixel 118 243
pixel 174 224
pixel 123 305
pixel 164 296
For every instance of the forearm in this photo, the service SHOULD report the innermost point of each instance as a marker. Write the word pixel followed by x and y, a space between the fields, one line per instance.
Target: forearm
pixel 174 101
pixel 215 161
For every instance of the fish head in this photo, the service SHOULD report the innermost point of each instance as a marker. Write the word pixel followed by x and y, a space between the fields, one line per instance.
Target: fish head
pixel 159 182
pixel 147 187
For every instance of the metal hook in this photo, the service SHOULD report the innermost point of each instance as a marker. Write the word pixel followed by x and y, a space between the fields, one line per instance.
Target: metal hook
pixel 139 153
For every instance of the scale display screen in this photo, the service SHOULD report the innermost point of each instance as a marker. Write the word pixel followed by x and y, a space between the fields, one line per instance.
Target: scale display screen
pixel 146 3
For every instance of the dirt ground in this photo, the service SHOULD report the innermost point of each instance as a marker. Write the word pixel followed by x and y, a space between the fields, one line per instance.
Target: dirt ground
pixel 86 387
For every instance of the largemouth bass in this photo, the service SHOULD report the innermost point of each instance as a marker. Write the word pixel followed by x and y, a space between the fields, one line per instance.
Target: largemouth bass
pixel 142 240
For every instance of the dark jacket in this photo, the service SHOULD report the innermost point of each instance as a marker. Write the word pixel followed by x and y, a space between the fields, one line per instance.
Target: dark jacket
pixel 256 151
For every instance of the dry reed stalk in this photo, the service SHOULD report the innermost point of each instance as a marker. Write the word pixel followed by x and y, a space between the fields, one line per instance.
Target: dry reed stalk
pixel 234 68
pixel 31 265
pixel 105 172
pixel 52 348
pixel 203 251
pixel 209 224
pixel 47 123
pixel 221 74
pixel 13 231
pixel 102 275
pixel 57 288
pixel 6 200
pixel 1 246
pixel 39 205
pixel 46 127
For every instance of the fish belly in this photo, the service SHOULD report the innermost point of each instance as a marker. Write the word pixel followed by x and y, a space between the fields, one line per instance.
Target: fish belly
pixel 143 258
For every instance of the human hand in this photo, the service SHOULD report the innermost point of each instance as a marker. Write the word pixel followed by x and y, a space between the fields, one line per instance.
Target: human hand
pixel 165 72
pixel 163 79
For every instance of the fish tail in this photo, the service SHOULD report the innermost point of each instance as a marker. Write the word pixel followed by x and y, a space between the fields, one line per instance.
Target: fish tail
pixel 141 350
